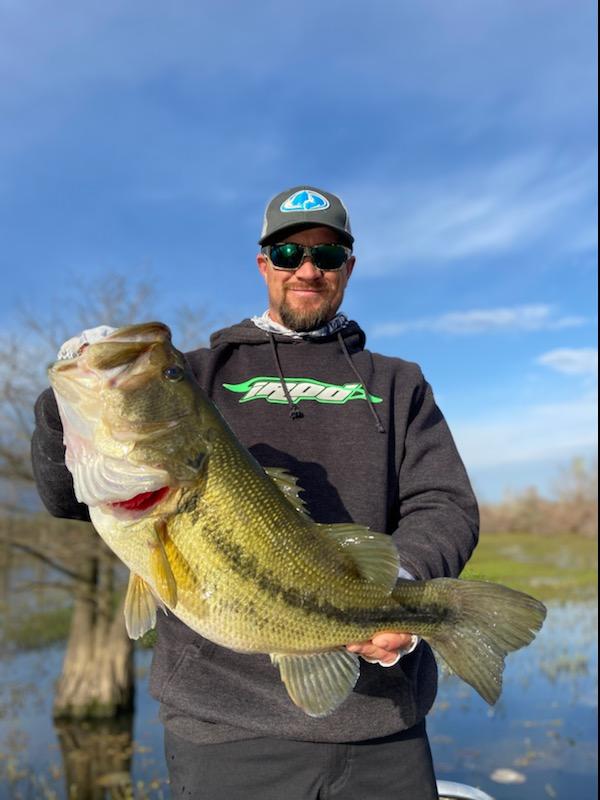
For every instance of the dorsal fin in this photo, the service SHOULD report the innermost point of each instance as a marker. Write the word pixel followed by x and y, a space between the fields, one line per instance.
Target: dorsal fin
pixel 375 554
pixel 288 485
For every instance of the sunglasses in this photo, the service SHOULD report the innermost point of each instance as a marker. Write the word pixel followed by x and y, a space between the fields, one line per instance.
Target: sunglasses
pixel 289 255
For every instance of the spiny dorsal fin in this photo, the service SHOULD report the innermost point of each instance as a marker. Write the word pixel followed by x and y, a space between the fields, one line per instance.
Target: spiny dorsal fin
pixel 318 682
pixel 288 484
pixel 374 554
pixel 140 607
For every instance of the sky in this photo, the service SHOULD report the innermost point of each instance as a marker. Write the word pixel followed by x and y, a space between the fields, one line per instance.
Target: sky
pixel 144 139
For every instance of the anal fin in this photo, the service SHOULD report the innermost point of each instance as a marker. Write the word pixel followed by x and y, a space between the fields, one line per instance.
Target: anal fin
pixel 318 682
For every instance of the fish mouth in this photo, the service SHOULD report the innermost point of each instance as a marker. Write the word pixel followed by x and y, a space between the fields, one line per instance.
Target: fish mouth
pixel 140 503
pixel 127 359
pixel 99 435
pixel 110 357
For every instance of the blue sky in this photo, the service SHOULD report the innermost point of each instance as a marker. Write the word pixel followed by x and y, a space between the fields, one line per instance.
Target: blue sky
pixel 145 139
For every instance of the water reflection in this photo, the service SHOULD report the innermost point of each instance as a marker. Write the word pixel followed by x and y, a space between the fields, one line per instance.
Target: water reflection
pixel 543 728
pixel 97 758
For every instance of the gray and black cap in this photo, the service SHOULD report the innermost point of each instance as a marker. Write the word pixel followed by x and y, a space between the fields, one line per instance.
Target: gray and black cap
pixel 304 207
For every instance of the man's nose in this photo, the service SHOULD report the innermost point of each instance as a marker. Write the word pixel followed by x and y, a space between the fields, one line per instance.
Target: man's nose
pixel 307 270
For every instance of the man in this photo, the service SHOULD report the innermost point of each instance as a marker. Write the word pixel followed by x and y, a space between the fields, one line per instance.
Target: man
pixel 364 437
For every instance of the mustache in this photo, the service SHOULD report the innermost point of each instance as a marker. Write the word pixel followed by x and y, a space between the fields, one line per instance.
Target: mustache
pixel 306 286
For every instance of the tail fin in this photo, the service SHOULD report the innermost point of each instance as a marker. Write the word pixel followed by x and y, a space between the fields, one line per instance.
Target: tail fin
pixel 486 621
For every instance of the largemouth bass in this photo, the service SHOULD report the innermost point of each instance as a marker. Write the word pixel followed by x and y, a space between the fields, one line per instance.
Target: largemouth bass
pixel 228 546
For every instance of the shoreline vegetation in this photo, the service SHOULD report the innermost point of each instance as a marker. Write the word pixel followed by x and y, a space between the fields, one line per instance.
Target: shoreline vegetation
pixel 572 508
pixel 559 568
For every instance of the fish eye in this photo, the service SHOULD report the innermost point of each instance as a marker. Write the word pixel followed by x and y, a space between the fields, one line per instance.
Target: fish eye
pixel 173 373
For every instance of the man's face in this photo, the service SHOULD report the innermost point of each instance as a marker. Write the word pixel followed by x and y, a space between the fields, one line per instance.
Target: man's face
pixel 306 298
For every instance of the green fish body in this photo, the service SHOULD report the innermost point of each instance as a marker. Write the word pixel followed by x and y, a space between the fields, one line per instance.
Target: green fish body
pixel 228 546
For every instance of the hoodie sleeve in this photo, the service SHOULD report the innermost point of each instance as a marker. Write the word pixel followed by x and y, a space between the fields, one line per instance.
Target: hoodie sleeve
pixel 438 523
pixel 53 479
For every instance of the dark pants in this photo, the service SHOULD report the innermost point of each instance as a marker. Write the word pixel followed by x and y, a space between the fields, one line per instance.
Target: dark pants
pixel 393 768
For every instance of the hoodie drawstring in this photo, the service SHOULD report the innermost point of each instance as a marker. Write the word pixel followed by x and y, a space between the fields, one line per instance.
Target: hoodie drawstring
pixel 295 412
pixel 342 343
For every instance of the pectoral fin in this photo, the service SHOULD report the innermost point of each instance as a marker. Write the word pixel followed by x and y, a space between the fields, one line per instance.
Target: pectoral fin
pixel 318 683
pixel 140 607
pixel 162 574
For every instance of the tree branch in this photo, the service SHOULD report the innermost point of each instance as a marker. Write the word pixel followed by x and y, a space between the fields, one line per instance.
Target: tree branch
pixel 32 551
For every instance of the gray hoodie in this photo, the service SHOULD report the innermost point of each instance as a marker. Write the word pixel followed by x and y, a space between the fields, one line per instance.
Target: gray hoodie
pixel 363 435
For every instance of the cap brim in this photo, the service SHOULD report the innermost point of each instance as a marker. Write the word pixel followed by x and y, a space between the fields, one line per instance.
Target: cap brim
pixel 293 227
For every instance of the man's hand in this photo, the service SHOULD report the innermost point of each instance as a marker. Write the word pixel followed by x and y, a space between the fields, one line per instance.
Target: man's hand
pixel 384 646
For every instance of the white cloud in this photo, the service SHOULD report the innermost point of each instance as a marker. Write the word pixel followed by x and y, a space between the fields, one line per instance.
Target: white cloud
pixel 533 317
pixel 571 361
pixel 483 211
pixel 546 431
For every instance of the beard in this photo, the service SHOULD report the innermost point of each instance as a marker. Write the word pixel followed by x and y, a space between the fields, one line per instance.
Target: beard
pixel 306 319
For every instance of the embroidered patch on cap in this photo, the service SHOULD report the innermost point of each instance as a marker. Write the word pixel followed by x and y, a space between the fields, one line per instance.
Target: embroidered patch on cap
pixel 305 200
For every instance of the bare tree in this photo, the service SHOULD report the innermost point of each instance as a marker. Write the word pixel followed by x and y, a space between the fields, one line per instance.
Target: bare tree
pixel 576 491
pixel 24 357
pixel 97 674
pixel 573 507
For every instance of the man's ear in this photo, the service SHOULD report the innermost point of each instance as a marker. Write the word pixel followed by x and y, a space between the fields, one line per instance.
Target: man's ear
pixel 263 264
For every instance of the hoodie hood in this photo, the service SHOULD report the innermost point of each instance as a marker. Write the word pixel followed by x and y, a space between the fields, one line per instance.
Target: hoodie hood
pixel 246 332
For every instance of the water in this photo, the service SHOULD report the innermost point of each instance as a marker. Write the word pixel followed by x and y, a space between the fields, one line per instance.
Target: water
pixel 544 725
pixel 543 728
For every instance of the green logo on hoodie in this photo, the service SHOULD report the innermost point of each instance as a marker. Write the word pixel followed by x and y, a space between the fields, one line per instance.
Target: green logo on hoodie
pixel 271 390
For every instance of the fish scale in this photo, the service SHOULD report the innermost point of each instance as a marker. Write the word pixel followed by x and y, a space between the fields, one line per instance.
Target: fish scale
pixel 221 552
pixel 230 549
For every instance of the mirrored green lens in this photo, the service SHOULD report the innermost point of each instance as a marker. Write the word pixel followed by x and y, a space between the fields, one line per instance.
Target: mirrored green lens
pixel 290 255
pixel 329 256
pixel 287 255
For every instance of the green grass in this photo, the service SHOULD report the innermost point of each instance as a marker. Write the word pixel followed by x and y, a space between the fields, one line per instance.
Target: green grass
pixel 556 568
pixel 38 630
pixel 41 629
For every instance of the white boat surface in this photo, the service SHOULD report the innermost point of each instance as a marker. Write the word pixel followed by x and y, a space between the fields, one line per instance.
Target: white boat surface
pixel 448 790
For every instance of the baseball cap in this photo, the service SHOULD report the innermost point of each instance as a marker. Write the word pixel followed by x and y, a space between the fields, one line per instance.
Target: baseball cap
pixel 305 207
